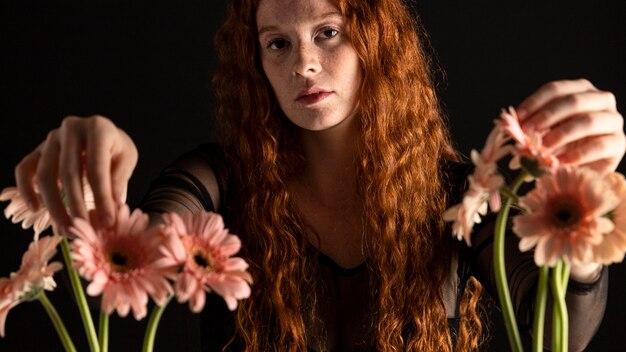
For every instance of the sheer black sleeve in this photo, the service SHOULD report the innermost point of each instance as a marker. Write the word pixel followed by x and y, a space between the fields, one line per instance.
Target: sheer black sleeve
pixel 195 181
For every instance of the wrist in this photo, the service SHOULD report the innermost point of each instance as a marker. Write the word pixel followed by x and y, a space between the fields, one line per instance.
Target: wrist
pixel 585 273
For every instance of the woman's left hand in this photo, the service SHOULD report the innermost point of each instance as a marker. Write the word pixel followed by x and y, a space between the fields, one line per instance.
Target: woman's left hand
pixel 582 127
pixel 582 124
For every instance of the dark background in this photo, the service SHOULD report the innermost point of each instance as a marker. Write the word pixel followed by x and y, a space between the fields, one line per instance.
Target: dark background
pixel 147 66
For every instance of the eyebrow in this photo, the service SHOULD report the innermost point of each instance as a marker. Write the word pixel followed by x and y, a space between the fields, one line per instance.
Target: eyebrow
pixel 319 18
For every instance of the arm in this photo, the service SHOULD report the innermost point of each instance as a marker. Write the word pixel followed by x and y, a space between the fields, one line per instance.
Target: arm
pixel 195 181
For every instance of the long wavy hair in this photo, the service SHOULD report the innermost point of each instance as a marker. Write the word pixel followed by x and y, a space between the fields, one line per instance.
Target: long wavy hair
pixel 401 181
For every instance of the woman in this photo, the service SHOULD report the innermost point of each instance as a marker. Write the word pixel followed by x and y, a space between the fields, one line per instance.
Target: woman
pixel 335 171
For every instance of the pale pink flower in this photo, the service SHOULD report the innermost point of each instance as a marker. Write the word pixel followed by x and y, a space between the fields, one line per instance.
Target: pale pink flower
pixel 467 213
pixel 35 274
pixel 613 245
pixel 528 144
pixel 486 176
pixel 9 298
pixel 484 187
pixel 199 256
pixel 40 220
pixel 18 211
pixel 120 262
pixel 495 147
pixel 566 216
pixel 35 270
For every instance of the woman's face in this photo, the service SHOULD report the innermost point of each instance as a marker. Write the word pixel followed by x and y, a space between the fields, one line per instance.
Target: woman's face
pixel 308 58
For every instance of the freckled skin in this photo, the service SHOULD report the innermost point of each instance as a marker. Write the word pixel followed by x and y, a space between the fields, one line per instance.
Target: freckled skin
pixel 307 45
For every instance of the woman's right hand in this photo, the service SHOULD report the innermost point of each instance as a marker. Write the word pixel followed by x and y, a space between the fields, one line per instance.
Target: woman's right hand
pixel 92 147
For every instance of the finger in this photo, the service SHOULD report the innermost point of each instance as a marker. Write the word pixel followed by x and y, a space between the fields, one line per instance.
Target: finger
pixel 590 150
pixel 563 107
pixel 98 161
pixel 603 166
pixel 71 164
pixel 47 179
pixel 122 168
pixel 25 178
pixel 582 126
pixel 550 91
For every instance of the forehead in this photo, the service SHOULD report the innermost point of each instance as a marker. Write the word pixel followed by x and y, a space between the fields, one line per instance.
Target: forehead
pixel 287 11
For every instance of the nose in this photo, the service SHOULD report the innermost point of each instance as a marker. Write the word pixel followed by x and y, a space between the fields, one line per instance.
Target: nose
pixel 306 60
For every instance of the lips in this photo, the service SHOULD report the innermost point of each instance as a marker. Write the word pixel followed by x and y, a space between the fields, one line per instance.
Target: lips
pixel 312 95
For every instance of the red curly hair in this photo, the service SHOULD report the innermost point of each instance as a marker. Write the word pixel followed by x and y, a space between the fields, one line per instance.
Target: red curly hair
pixel 404 144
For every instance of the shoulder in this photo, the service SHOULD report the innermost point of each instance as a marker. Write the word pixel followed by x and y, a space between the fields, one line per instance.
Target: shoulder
pixel 209 152
pixel 207 167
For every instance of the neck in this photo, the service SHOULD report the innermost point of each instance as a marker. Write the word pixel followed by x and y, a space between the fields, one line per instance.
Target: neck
pixel 326 193
pixel 330 159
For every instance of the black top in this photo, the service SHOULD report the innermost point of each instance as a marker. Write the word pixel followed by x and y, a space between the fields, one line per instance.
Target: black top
pixel 343 294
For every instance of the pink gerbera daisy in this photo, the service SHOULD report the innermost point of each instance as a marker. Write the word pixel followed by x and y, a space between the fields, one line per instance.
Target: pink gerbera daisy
pixel 120 262
pixel 40 220
pixel 566 216
pixel 18 211
pixel 35 274
pixel 199 256
pixel 528 145
pixel 613 245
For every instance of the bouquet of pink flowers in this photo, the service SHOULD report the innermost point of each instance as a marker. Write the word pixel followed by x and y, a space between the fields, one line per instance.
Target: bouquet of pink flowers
pixel 127 264
pixel 571 216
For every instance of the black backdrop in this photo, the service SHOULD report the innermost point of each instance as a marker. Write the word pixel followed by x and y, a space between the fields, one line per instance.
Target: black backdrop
pixel 147 65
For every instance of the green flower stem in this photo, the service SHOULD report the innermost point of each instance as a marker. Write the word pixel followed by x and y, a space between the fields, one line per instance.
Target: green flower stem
pixel 153 323
pixel 565 277
pixel 556 314
pixel 103 331
pixel 560 317
pixel 500 270
pixel 563 306
pixel 81 301
pixel 57 322
pixel 540 309
pixel 505 191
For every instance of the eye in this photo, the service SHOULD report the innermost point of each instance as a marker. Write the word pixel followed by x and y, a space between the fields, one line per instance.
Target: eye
pixel 328 33
pixel 277 44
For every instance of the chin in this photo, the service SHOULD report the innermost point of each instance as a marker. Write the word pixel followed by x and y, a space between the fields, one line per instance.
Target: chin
pixel 322 122
pixel 319 126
